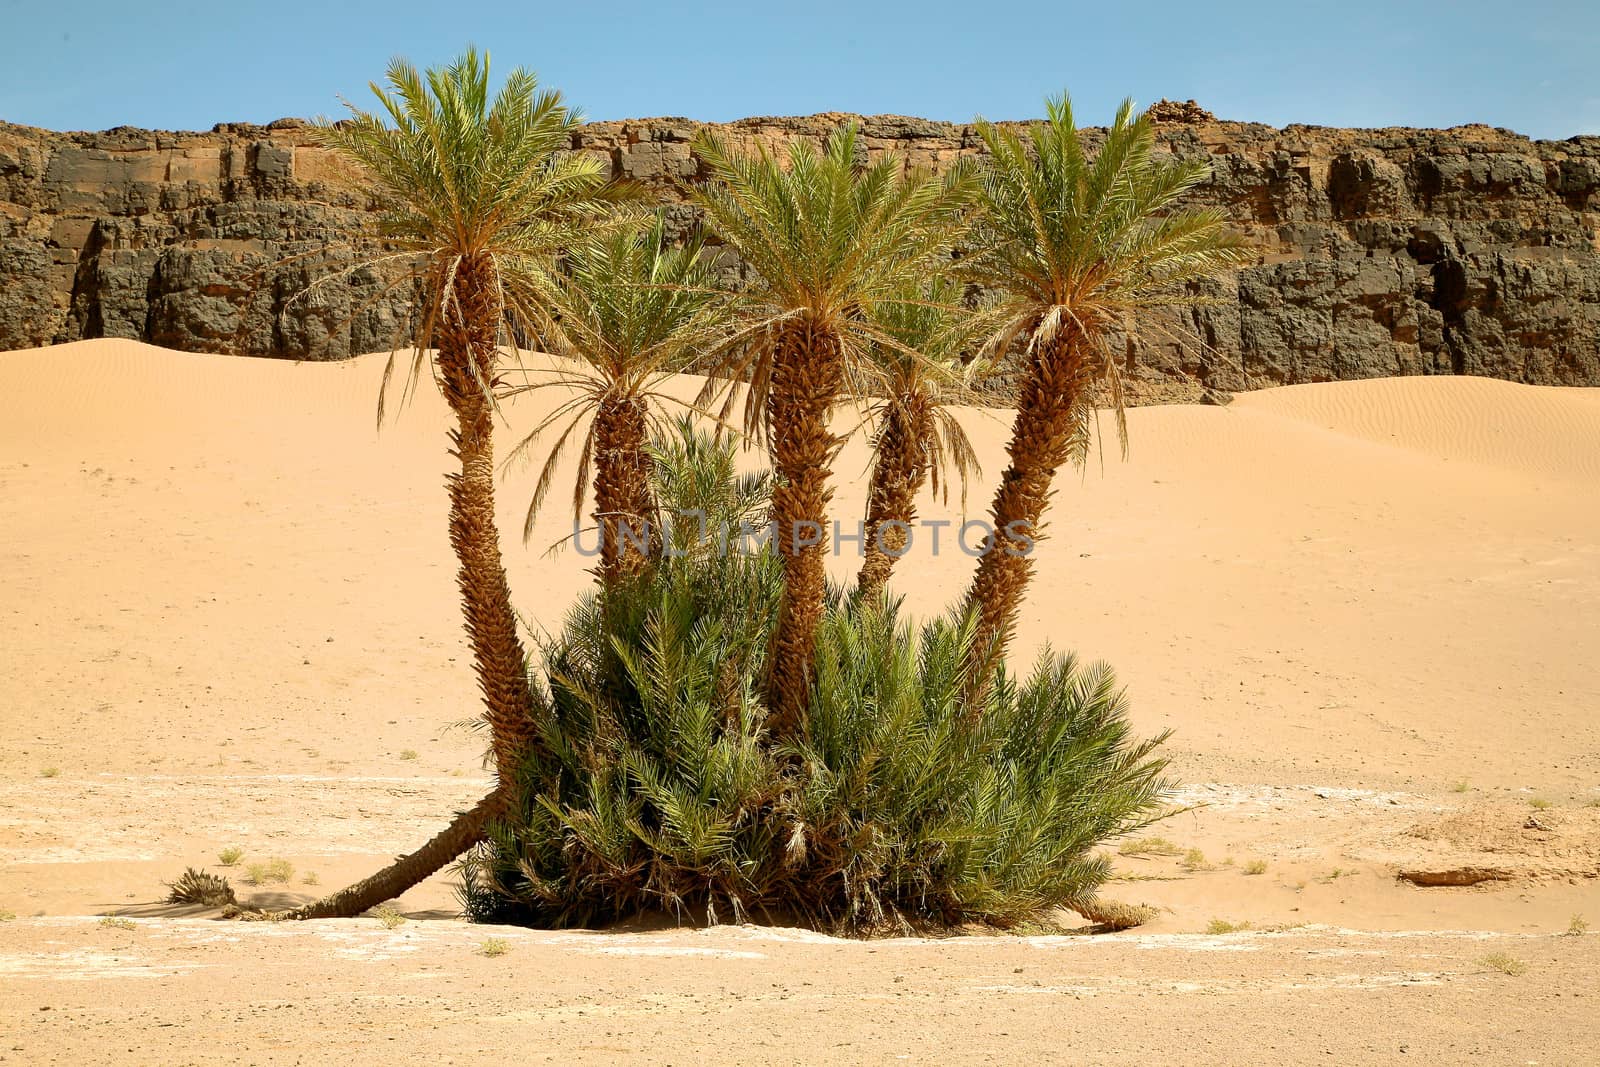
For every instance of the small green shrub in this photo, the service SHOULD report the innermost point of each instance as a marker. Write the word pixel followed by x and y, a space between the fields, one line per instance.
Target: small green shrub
pixel 1504 963
pixel 269 872
pixel 388 916
pixel 658 789
pixel 494 946
pixel 1194 860
pixel 1578 926
pixel 230 856
pixel 1539 804
pixel 1256 867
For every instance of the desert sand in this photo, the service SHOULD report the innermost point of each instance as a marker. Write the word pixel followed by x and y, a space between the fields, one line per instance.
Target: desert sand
pixel 1369 611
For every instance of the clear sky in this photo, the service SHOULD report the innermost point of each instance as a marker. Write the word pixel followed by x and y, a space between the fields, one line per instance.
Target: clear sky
pixel 1531 65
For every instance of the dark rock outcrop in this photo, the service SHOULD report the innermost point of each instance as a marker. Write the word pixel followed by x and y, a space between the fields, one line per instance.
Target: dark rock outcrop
pixel 1471 250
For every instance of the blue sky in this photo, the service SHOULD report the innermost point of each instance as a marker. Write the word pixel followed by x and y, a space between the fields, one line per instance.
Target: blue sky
pixel 1532 66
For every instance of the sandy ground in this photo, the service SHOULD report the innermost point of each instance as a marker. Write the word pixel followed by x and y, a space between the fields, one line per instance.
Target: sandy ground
pixel 1369 611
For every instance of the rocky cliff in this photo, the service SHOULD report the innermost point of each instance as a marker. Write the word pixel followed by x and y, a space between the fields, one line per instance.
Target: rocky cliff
pixel 1396 251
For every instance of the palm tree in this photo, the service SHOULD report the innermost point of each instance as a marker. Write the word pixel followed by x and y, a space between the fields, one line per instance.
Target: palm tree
pixel 627 312
pixel 917 438
pixel 478 196
pixel 1074 246
pixel 824 239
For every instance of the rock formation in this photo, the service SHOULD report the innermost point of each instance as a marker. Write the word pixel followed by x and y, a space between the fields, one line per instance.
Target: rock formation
pixel 1395 251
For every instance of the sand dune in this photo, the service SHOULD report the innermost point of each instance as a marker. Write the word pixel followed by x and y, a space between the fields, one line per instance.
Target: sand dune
pixel 1379 583
pixel 229 618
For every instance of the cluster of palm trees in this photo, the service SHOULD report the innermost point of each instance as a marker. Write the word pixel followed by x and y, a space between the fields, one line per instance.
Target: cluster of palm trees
pixel 881 285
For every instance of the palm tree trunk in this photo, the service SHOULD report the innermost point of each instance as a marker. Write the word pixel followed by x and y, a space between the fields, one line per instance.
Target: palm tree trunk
pixel 623 506
pixel 1042 434
pixel 466 361
pixel 464 831
pixel 467 367
pixel 898 473
pixel 807 372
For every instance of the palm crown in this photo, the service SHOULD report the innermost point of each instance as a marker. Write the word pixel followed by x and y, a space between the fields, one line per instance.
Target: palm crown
pixel 1074 243
pixel 825 238
pixel 462 177
pixel 626 312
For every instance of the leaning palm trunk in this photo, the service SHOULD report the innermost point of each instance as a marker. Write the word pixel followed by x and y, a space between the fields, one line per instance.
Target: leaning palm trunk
pixel 466 362
pixel 464 831
pixel 1047 424
pixel 897 477
pixel 623 507
pixel 807 372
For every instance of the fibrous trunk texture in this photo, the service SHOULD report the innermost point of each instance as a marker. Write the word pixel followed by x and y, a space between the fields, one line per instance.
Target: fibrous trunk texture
pixel 468 331
pixel 1042 435
pixel 898 473
pixel 807 372
pixel 466 830
pixel 467 366
pixel 624 511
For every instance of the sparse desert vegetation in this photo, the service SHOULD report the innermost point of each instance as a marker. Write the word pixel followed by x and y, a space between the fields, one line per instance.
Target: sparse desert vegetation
pixel 1504 963
pixel 275 871
pixel 1149 846
pixel 1256 867
pixel 494 946
pixel 1225 926
pixel 230 856
pixel 117 922
pixel 388 916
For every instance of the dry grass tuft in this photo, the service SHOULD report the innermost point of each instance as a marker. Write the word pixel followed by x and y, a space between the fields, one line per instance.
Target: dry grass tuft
pixel 1114 914
pixel 409 753
pixel 388 916
pixel 1539 804
pixel 1148 846
pixel 230 856
pixel 1578 926
pixel 493 947
pixel 1256 867
pixel 1224 926
pixel 115 922
pixel 49 772
pixel 1504 963
pixel 269 872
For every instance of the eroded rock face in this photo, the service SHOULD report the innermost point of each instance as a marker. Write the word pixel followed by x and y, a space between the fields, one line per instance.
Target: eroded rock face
pixel 1383 252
